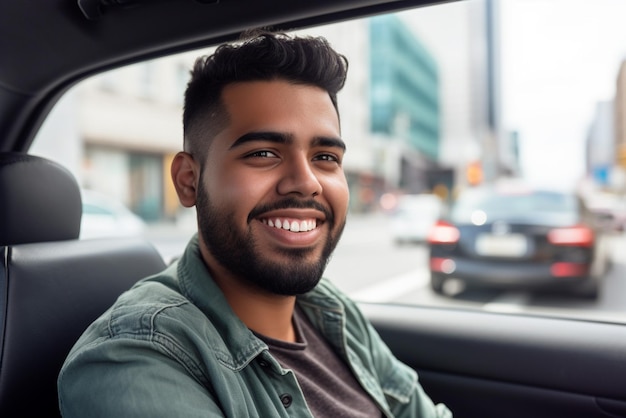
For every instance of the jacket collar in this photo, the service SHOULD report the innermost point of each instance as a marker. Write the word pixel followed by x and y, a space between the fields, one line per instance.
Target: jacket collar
pixel 237 345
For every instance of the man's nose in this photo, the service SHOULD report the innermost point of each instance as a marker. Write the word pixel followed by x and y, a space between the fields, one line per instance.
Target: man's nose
pixel 299 178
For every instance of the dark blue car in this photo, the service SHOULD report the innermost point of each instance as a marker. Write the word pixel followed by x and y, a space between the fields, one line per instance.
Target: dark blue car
pixel 518 237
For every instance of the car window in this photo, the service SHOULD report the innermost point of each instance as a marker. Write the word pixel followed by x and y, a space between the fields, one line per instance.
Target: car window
pixel 512 206
pixel 440 101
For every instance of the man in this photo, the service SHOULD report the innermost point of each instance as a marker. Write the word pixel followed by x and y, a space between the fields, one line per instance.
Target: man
pixel 242 325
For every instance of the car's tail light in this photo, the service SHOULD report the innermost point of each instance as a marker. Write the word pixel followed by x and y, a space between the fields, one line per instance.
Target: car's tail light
pixel 579 235
pixel 444 233
pixel 442 265
pixel 569 269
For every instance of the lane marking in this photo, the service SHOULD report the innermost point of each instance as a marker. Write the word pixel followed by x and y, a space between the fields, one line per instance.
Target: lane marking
pixel 390 289
pixel 509 302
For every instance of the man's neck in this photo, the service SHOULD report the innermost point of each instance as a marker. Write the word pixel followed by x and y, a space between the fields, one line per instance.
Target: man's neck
pixel 268 315
pixel 264 313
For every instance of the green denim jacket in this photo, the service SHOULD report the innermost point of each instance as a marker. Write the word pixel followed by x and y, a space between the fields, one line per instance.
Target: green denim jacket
pixel 172 347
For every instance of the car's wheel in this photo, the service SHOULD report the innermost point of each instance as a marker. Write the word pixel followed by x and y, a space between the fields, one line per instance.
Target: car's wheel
pixel 436 282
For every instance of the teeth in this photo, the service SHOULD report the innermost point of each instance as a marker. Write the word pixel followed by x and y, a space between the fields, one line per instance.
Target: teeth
pixel 293 226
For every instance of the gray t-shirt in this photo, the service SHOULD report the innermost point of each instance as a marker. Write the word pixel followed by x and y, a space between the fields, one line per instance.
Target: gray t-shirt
pixel 329 387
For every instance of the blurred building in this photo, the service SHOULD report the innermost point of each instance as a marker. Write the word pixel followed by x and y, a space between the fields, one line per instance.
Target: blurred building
pixel 456 35
pixel 501 155
pixel 620 118
pixel 600 145
pixel 605 145
pixel 126 124
pixel 404 102
pixel 130 124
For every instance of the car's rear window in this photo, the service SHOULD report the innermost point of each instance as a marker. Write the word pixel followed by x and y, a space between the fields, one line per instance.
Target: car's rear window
pixel 514 206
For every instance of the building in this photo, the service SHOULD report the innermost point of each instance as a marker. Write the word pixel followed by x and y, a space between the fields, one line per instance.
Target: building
pixel 455 33
pixel 404 102
pixel 600 144
pixel 126 124
pixel 619 113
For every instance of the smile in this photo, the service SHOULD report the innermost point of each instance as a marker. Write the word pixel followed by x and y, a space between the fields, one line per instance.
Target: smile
pixel 293 225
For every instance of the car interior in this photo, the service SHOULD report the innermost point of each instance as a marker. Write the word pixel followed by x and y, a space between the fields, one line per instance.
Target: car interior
pixel 52 285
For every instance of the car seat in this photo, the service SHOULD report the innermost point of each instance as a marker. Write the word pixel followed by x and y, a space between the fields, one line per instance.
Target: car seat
pixel 52 285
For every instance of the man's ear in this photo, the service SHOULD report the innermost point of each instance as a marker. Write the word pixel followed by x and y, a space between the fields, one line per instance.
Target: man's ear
pixel 186 178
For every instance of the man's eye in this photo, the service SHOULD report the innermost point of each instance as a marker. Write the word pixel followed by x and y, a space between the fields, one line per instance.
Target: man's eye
pixel 327 157
pixel 262 154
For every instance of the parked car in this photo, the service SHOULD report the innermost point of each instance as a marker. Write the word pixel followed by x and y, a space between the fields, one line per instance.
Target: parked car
pixel 414 216
pixel 105 216
pixel 480 363
pixel 609 210
pixel 524 238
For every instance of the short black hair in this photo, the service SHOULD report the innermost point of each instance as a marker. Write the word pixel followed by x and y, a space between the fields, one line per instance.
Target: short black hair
pixel 261 56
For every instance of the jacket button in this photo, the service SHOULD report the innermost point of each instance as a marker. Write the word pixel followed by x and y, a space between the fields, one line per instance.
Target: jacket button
pixel 286 399
pixel 263 363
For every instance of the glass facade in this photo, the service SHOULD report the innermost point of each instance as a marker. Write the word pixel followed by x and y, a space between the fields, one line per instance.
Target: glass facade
pixel 404 86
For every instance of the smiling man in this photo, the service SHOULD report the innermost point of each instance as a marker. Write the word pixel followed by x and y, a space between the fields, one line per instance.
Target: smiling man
pixel 244 325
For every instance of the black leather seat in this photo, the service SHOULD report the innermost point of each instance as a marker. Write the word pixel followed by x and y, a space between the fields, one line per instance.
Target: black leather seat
pixel 52 286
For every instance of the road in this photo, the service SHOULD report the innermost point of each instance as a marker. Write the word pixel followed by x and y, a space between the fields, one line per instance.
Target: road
pixel 371 268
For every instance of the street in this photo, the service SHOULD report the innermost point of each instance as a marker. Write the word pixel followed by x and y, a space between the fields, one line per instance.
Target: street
pixel 368 266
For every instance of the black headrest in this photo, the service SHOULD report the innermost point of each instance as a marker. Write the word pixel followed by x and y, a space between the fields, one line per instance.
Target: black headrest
pixel 39 200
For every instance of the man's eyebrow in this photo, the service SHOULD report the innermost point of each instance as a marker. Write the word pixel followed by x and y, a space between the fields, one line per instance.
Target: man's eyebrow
pixel 276 137
pixel 281 138
pixel 325 141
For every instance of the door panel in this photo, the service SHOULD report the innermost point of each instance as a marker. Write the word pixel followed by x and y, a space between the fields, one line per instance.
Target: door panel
pixel 497 365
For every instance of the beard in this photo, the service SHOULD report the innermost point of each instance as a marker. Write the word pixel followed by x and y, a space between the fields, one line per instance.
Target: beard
pixel 238 252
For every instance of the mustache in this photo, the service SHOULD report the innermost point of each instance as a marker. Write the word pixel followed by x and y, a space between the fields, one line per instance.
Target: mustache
pixel 291 203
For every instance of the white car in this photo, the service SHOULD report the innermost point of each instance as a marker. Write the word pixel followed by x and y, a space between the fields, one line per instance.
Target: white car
pixel 104 216
pixel 414 217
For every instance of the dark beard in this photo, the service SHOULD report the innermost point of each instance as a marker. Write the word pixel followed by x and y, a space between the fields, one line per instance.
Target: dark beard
pixel 237 250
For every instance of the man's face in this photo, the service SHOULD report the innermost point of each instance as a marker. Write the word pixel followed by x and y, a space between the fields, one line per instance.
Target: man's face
pixel 273 197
